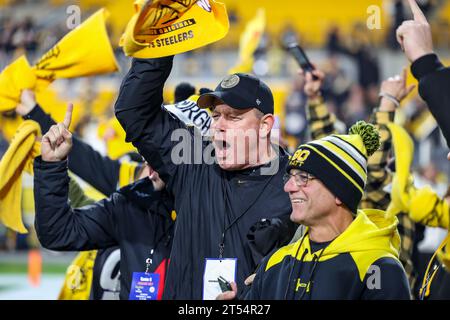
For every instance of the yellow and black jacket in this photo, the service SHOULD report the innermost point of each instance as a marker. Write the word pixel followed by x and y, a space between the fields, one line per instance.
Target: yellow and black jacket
pixel 361 263
pixel 321 123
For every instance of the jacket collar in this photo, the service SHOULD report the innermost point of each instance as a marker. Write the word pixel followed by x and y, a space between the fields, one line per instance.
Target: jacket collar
pixel 141 193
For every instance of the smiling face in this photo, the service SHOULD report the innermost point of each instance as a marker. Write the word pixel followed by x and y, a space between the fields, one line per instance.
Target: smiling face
pixel 236 135
pixel 312 202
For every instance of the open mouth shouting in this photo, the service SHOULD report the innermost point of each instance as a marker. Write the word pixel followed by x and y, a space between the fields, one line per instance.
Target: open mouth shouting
pixel 222 147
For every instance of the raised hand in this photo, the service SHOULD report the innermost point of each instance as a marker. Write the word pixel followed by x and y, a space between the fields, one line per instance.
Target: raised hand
pixel 414 36
pixel 27 102
pixel 57 142
pixel 312 85
pixel 396 88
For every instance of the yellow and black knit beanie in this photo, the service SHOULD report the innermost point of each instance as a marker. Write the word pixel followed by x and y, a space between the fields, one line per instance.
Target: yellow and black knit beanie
pixel 340 161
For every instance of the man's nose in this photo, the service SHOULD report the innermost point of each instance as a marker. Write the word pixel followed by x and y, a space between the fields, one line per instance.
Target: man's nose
pixel 219 124
pixel 290 185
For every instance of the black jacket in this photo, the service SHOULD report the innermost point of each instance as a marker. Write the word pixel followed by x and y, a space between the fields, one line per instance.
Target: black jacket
pixel 207 198
pixel 135 218
pixel 103 174
pixel 434 88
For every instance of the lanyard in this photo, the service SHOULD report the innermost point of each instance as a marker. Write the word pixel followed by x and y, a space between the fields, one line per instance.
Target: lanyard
pixel 222 242
pixel 149 260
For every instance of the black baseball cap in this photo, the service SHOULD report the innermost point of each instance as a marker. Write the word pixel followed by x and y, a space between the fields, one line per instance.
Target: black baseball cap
pixel 240 91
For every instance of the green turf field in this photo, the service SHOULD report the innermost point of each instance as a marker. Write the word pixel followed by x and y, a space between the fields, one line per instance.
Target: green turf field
pixel 15 267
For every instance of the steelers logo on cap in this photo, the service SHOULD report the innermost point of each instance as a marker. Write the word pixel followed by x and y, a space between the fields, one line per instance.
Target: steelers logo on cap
pixel 230 81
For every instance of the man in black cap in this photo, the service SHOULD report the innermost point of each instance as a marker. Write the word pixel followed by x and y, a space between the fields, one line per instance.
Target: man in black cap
pixel 231 211
pixel 242 111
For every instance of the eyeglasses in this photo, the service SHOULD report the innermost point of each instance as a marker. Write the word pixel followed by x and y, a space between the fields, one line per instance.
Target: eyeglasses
pixel 300 178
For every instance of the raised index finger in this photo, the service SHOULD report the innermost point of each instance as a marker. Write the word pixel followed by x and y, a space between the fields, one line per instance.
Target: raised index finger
pixel 417 13
pixel 68 116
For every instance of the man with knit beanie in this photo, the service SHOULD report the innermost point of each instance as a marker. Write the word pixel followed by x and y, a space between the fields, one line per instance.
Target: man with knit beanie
pixel 345 253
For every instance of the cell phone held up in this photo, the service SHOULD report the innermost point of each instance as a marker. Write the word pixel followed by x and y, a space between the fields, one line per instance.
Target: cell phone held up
pixel 300 56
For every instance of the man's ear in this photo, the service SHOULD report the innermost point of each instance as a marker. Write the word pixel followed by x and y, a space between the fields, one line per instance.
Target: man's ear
pixel 338 202
pixel 266 125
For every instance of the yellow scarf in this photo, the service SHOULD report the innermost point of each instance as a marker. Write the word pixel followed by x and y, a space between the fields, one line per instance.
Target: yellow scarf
pixel 162 28
pixel 404 151
pixel 19 156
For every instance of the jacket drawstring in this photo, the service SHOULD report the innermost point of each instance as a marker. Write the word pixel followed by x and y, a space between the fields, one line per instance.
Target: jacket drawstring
pixel 311 274
pixel 430 274
pixel 295 263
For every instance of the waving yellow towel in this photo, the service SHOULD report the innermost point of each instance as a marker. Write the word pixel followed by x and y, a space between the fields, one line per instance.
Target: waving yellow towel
pixel 162 28
pixel 19 156
pixel 84 51
pixel 14 78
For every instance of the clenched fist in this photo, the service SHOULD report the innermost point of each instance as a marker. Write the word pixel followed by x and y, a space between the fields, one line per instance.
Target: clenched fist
pixel 57 142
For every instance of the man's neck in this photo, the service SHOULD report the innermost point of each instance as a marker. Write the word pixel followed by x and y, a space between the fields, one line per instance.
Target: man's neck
pixel 331 227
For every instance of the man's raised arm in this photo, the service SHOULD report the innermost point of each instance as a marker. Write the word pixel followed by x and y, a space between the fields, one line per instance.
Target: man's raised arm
pixel 415 39
pixel 139 110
